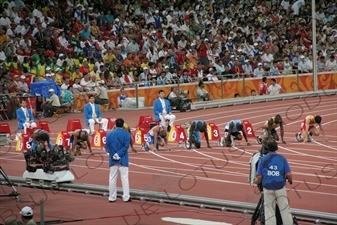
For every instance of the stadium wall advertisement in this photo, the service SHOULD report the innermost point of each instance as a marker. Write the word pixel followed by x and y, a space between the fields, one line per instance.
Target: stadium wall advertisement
pixel 223 89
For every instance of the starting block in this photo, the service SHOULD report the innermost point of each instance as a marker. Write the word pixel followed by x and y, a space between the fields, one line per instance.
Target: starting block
pixel 63 138
pixel 57 176
pixel 74 125
pixel 139 135
pixel 5 128
pixel 212 131
pixel 99 138
pixel 177 134
pixel 22 143
pixel 43 125
pixel 248 129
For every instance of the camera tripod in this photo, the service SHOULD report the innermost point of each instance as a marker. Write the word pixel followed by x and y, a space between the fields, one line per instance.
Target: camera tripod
pixel 259 213
pixel 14 193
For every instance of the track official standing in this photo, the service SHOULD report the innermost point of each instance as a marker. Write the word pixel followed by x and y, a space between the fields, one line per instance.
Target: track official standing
pixel 273 170
pixel 117 145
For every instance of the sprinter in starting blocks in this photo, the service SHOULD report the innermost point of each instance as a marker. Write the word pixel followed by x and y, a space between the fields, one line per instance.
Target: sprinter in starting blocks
pixel 234 130
pixel 193 133
pixel 80 140
pixel 156 137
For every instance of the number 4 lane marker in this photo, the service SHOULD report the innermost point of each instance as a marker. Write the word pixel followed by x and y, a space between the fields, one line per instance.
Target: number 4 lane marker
pixel 188 221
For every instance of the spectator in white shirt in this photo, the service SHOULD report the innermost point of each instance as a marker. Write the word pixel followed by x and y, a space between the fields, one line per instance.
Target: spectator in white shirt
pixel 4 20
pixel 267 58
pixel 212 75
pixel 37 12
pixel 259 71
pixel 274 88
pixel 65 84
pixel 302 65
pixel 247 68
pixel 331 64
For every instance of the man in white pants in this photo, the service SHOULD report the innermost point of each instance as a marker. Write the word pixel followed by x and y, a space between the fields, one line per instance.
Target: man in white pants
pixel 25 118
pixel 162 110
pixel 93 115
pixel 273 170
pixel 117 145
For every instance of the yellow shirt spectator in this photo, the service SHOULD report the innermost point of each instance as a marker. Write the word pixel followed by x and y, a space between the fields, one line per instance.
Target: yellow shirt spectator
pixel 41 70
pixel 91 66
pixel 58 79
pixel 145 64
pixel 76 75
pixel 3 38
pixel 191 65
pixel 109 58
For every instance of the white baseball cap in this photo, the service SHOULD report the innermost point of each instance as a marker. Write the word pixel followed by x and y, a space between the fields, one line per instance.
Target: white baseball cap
pixel 259 64
pixel 23 77
pixel 51 90
pixel 26 211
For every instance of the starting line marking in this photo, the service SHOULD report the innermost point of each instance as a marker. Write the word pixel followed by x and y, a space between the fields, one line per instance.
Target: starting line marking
pixel 188 221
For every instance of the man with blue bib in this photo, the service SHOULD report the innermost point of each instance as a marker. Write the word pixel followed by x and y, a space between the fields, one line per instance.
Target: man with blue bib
pixel 273 170
pixel 233 130
pixel 156 137
pixel 196 127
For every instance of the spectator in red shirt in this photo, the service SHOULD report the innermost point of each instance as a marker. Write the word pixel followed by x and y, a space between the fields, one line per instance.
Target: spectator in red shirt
pixel 202 48
pixel 263 89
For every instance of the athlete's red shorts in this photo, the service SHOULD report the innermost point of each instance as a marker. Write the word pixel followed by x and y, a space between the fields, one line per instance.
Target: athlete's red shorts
pixel 304 124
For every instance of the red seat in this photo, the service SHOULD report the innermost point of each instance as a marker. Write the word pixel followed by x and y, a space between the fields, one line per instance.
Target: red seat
pixel 102 28
pixel 43 125
pixel 5 128
pixel 74 125
pixel 147 119
pixel 146 122
pixel 111 123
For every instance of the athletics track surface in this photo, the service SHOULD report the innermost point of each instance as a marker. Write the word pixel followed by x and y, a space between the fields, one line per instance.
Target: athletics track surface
pixel 214 173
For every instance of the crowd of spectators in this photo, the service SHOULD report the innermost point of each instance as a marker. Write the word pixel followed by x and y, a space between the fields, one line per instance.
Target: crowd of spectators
pixel 85 44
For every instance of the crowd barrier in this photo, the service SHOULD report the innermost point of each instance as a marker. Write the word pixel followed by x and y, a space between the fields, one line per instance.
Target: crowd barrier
pixel 223 89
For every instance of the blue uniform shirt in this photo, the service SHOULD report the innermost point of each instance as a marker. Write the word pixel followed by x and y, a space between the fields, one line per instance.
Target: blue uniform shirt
pixel 196 131
pixel 118 141
pixel 273 168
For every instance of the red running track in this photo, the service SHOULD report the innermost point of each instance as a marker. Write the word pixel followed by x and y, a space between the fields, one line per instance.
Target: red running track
pixel 221 172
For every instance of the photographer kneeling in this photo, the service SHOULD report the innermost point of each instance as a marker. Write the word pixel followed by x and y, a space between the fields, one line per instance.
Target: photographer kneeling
pixel 273 170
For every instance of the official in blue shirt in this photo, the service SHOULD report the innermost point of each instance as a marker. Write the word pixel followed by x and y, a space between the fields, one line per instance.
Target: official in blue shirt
pixel 117 145
pixel 273 170
pixel 25 117
pixel 162 110
pixel 93 115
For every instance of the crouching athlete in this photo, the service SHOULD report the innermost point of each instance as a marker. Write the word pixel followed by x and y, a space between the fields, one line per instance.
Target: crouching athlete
pixel 233 131
pixel 156 137
pixel 195 128
pixel 80 140
pixel 39 136
pixel 308 129
pixel 127 128
pixel 269 130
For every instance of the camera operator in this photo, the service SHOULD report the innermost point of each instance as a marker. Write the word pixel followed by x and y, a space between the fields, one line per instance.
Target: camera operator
pixel 273 170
